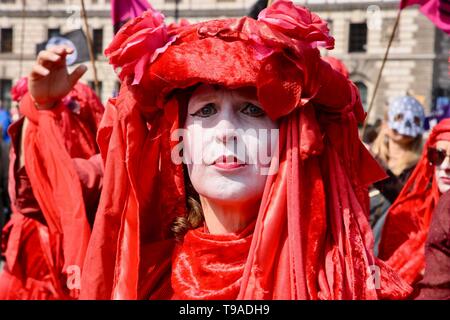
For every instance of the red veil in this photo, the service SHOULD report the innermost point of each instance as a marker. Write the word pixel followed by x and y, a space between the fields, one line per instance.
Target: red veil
pixel 406 228
pixel 337 65
pixel 312 239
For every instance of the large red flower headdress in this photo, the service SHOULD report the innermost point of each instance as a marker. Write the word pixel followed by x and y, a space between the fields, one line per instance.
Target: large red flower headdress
pixel 312 239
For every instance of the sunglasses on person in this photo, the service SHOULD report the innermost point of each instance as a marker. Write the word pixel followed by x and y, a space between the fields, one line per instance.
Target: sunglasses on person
pixel 437 156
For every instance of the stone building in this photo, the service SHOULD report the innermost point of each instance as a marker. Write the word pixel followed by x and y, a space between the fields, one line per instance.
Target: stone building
pixel 418 62
pixel 21 30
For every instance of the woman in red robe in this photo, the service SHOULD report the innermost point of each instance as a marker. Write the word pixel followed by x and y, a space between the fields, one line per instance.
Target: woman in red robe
pixel 305 234
pixel 408 220
pixel 51 182
pixel 226 227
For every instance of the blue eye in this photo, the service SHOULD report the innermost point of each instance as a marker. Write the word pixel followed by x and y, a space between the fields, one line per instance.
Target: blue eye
pixel 252 110
pixel 207 111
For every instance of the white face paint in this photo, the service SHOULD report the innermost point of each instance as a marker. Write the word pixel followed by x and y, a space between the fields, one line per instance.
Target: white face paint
pixel 225 148
pixel 442 171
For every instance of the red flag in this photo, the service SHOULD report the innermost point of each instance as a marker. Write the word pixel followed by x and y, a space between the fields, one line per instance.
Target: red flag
pixel 124 10
pixel 438 11
pixel 407 3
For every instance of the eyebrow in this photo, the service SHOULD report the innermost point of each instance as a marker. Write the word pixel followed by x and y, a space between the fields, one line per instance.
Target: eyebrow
pixel 203 97
pixel 214 97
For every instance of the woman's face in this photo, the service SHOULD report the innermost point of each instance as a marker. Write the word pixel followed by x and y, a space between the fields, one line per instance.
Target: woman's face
pixel 228 144
pixel 442 171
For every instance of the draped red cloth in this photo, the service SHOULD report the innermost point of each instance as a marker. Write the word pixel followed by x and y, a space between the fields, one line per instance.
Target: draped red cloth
pixel 28 273
pixel 408 220
pixel 60 224
pixel 210 266
pixel 337 65
pixel 311 239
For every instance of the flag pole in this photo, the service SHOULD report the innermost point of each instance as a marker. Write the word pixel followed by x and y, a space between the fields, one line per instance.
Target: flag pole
pixel 22 37
pixel 90 46
pixel 269 2
pixel 177 12
pixel 377 84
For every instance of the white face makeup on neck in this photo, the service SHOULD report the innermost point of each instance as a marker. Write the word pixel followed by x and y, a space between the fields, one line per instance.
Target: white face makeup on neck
pixel 442 171
pixel 228 148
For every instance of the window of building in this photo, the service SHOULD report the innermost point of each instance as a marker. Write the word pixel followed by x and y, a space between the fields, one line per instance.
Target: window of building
pixel 357 37
pixel 6 38
pixel 5 93
pixel 363 93
pixel 7 1
pixel 330 25
pixel 55 1
pixel 97 39
pixel 53 32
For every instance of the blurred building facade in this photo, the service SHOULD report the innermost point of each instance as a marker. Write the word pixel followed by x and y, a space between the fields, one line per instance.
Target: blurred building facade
pixel 418 61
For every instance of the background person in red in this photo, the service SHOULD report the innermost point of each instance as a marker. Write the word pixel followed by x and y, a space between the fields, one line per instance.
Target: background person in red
pixel 408 220
pixel 51 179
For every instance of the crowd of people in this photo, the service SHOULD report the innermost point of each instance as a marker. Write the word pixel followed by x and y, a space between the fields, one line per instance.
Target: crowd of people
pixel 149 197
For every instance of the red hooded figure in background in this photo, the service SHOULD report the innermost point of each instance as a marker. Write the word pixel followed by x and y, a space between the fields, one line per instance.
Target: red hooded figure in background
pixel 310 238
pixel 52 205
pixel 408 220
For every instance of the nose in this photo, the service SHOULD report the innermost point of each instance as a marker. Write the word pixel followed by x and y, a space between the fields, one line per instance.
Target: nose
pixel 228 123
pixel 446 164
pixel 226 132
pixel 408 124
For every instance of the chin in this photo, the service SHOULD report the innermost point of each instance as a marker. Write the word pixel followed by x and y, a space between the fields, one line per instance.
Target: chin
pixel 443 187
pixel 231 190
pixel 230 193
pixel 238 187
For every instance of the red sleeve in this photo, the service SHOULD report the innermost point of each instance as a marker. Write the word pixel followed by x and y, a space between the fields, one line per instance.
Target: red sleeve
pixel 90 172
pixel 20 191
pixel 52 139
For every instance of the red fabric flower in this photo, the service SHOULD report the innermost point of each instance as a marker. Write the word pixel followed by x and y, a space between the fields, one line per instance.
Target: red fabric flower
pixel 138 44
pixel 298 22
pixel 20 89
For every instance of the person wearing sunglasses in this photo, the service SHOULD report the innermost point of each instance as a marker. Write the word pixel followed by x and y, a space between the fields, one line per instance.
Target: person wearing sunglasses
pixel 408 220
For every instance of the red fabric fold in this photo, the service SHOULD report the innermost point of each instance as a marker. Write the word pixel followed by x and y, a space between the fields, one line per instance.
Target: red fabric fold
pixel 210 267
pixel 28 273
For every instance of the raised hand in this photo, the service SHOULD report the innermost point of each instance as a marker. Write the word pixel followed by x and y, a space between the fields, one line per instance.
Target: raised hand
pixel 50 81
